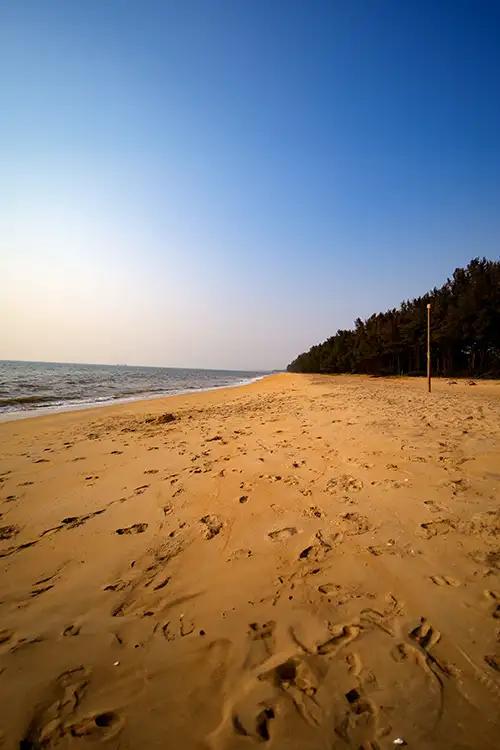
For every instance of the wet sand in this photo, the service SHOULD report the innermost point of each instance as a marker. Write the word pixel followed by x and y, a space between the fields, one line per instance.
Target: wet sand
pixel 304 562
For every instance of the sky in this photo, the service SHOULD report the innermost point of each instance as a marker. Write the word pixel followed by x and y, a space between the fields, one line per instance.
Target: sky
pixel 224 184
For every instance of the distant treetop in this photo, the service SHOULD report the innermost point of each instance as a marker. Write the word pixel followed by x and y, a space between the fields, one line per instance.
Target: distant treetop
pixel 465 332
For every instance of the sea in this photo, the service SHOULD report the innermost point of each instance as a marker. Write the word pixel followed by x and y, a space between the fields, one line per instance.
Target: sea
pixel 28 388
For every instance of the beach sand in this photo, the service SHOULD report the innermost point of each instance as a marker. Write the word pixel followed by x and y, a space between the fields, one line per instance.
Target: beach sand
pixel 304 562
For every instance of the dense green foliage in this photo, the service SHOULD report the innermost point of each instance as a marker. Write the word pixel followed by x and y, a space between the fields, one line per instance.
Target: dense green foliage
pixel 465 332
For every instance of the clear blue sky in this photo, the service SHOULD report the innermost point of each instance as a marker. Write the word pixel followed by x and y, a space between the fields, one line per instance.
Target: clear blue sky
pixel 226 183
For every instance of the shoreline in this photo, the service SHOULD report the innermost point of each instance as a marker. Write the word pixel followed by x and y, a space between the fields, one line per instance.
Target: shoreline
pixel 14 416
pixel 48 411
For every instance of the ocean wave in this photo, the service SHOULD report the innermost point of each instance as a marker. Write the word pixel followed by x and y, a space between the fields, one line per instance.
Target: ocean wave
pixel 27 386
pixel 20 400
pixel 138 392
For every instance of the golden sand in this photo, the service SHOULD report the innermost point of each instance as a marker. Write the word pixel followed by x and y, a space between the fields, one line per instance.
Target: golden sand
pixel 303 563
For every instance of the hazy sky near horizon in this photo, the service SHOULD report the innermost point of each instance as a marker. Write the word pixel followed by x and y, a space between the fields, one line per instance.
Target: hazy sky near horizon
pixel 223 184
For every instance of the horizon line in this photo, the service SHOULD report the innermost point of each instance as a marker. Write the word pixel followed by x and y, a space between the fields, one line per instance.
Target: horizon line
pixel 125 364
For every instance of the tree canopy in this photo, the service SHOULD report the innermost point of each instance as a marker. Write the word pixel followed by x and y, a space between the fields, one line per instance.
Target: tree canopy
pixel 465 332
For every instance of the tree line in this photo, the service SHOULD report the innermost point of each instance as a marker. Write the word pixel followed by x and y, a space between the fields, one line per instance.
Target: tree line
pixel 465 332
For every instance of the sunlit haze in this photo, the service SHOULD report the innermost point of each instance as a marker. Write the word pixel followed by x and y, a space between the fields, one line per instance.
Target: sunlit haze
pixel 223 184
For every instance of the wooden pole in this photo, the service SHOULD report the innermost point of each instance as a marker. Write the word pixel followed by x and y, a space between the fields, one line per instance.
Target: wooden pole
pixel 429 347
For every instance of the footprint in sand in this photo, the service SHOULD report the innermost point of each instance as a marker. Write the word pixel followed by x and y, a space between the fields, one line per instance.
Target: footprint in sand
pixel 22 643
pixel 433 506
pixel 136 528
pixel 445 581
pixel 37 592
pixel 314 512
pixel 55 721
pixel 100 726
pixel 341 636
pixel 240 554
pixel 320 549
pixel 117 586
pixel 389 548
pixel 281 534
pixel 490 559
pixel 296 678
pixel 71 522
pixel 46 579
pixel 213 525
pixel 7 532
pixel 344 483
pixel 391 484
pixel 12 550
pixel 6 637
pixel 180 630
pixel 436 528
pixel 425 634
pixel 405 653
pixel 359 725
pixel 353 524
pixel 485 525
pixel 493 662
pixel 329 588
pixel 458 485
pixel 260 730
pixel 71 630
